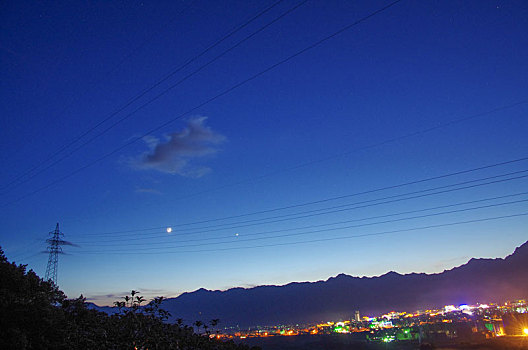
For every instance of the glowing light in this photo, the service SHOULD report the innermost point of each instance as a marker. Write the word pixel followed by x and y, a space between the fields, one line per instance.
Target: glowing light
pixel 341 329
pixel 388 339
pixel 525 331
pixel 236 234
pixel 450 308
pixel 169 229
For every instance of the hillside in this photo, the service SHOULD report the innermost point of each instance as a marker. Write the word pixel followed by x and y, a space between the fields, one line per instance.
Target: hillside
pixel 479 280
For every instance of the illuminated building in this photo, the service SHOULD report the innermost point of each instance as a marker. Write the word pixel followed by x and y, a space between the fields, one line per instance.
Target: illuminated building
pixel 357 317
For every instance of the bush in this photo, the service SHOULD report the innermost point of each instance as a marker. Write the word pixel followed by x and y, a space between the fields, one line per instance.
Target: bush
pixel 35 314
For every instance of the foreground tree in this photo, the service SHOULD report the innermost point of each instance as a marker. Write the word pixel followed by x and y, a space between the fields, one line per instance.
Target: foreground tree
pixel 35 314
pixel 28 309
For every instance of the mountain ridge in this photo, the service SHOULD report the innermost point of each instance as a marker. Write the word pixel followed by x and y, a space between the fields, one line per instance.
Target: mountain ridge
pixel 479 280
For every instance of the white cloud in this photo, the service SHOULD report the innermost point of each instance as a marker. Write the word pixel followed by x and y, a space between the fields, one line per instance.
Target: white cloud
pixel 177 153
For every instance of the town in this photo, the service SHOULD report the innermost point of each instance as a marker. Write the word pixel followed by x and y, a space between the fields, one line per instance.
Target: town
pixel 436 326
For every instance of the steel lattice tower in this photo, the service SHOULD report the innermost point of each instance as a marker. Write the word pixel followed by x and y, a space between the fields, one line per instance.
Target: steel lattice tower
pixel 54 249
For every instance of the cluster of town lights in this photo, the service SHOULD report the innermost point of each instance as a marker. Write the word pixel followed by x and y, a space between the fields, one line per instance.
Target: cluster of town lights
pixel 483 319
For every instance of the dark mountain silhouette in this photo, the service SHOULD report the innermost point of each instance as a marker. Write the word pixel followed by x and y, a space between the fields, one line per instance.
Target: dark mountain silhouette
pixel 480 280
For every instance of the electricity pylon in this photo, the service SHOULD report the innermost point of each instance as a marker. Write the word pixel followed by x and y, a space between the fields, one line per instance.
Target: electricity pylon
pixel 54 249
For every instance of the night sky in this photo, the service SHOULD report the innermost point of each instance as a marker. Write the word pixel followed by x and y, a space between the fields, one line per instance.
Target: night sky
pixel 123 120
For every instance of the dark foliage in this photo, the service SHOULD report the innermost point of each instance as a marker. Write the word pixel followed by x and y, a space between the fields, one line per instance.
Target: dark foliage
pixel 35 314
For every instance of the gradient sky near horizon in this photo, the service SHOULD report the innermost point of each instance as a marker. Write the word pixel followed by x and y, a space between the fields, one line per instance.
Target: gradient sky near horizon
pixel 419 90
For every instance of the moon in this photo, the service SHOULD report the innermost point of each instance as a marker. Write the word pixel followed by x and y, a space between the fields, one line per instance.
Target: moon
pixel 169 229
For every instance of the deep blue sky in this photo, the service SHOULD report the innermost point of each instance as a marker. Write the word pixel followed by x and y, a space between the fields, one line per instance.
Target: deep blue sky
pixel 299 133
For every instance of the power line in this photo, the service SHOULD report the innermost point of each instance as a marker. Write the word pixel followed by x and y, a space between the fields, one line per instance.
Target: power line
pixel 311 215
pixel 316 240
pixel 20 255
pixel 362 225
pixel 238 239
pixel 28 257
pixel 221 94
pixel 116 67
pixel 347 207
pixel 165 78
pixel 146 235
pixel 342 208
pixel 379 189
pixel 362 148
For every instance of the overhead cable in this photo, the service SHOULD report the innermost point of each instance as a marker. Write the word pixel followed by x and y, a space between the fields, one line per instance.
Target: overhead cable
pixel 221 94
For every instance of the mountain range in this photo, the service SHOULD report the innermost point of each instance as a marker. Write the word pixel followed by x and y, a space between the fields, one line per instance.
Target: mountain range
pixel 479 280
